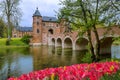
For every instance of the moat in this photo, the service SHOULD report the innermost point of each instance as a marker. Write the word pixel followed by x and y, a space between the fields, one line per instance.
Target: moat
pixel 17 61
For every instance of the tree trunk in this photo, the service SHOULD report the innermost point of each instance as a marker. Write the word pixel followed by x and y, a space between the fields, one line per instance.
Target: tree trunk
pixel 91 46
pixel 9 36
pixel 97 45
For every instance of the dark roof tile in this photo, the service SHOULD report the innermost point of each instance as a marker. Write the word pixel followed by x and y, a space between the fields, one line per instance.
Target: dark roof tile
pixel 49 19
pixel 25 29
pixel 37 13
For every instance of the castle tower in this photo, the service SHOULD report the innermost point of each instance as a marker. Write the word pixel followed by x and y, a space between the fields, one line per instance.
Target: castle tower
pixel 37 28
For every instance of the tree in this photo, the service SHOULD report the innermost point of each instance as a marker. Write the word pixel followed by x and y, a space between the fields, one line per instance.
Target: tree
pixel 86 14
pixel 2 28
pixel 11 11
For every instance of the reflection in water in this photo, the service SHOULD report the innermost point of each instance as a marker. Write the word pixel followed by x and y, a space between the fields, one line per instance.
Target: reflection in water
pixel 12 62
pixel 16 61
pixel 44 57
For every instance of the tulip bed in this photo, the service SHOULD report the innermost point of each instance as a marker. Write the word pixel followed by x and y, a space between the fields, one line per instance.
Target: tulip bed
pixel 93 71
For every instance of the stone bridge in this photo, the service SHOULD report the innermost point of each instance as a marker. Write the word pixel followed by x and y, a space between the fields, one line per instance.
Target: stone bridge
pixel 71 39
pixel 47 31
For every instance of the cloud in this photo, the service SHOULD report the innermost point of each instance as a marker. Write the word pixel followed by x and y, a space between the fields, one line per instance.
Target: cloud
pixel 46 8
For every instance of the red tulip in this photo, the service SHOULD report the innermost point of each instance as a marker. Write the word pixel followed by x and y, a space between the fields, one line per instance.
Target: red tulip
pixel 92 71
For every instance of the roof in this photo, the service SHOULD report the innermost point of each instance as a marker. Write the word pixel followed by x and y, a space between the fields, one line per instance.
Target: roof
pixel 49 19
pixel 25 29
pixel 37 13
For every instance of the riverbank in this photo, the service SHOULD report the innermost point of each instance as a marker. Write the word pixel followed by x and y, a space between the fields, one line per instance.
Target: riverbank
pixel 116 42
pixel 15 42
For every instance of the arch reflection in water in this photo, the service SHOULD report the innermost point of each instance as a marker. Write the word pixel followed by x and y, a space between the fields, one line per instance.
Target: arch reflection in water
pixel 45 57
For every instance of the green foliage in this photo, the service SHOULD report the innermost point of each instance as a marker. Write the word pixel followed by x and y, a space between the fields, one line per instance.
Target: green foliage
pixel 12 14
pixel 13 42
pixel 85 15
pixel 7 42
pixel 91 12
pixel 115 76
pixel 87 58
pixel 116 41
pixel 2 28
pixel 17 42
pixel 26 39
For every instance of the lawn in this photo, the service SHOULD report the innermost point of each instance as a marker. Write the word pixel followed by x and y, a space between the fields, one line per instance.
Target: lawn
pixel 15 42
pixel 116 41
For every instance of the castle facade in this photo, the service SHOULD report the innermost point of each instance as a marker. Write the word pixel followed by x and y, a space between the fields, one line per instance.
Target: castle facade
pixel 44 27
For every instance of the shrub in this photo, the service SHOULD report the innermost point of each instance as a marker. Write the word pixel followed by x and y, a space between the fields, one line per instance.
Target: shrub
pixel 7 42
pixel 26 39
pixel 87 58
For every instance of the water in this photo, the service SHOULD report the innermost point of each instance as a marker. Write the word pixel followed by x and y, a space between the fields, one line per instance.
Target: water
pixel 115 51
pixel 17 61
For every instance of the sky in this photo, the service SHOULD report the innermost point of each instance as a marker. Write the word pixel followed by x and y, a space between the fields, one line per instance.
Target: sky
pixel 46 8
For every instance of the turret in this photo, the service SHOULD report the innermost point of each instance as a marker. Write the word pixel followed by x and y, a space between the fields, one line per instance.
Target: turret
pixel 37 13
pixel 37 27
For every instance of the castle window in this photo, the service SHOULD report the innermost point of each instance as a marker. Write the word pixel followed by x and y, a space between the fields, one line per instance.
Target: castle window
pixel 50 31
pixel 37 23
pixel 38 31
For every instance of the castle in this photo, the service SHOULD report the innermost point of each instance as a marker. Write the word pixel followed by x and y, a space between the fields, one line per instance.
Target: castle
pixel 48 31
pixel 19 32
pixel 42 28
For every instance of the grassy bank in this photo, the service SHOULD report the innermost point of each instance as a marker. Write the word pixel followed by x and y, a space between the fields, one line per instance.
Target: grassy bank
pixel 116 41
pixel 15 42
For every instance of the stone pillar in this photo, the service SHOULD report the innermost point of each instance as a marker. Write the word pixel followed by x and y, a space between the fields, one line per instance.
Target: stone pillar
pixel 63 45
pixel 55 43
pixel 73 46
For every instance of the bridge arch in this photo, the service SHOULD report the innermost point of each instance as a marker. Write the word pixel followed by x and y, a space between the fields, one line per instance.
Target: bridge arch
pixel 59 42
pixel 81 43
pixel 105 45
pixel 67 42
pixel 53 41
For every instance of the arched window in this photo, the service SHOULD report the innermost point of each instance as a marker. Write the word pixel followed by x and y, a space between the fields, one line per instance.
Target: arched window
pixel 50 31
pixel 38 31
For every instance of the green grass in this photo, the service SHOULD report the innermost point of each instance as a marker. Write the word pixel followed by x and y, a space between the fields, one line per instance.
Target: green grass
pixel 15 42
pixel 3 41
pixel 116 42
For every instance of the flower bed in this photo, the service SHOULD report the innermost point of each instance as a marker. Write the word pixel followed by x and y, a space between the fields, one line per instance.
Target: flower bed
pixel 93 71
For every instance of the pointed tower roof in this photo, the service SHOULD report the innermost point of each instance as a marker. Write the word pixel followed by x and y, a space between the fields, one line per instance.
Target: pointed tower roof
pixel 37 13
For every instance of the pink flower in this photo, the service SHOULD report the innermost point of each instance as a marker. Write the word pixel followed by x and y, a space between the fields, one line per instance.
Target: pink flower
pixel 92 71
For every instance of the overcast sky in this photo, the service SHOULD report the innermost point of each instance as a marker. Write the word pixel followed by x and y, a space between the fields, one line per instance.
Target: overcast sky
pixel 46 8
